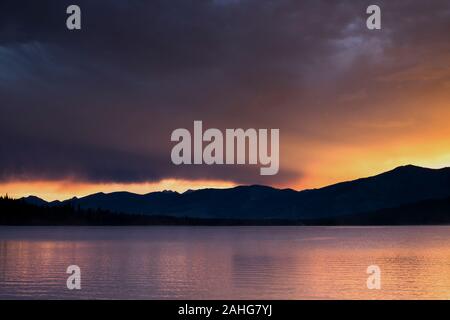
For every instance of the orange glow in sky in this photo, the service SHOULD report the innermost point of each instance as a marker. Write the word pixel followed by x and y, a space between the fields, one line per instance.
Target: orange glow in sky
pixel 61 190
pixel 357 138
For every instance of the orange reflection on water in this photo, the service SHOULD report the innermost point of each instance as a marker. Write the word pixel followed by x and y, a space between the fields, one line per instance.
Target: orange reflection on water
pixel 225 262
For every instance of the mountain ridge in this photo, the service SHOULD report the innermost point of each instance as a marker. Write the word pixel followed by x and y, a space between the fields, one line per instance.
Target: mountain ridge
pixel 393 188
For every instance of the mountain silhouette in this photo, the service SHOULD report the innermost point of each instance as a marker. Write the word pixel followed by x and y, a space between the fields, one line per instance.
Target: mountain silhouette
pixel 399 187
pixel 35 201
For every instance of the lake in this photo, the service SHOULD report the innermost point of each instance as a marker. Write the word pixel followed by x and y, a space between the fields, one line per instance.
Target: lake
pixel 225 262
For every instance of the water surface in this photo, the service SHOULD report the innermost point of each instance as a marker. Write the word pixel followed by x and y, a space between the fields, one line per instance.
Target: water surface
pixel 225 262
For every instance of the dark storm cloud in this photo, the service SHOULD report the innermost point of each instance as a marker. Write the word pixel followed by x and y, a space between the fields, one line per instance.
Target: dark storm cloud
pixel 100 104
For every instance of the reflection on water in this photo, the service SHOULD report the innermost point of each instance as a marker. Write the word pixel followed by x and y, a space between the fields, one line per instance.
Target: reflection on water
pixel 225 262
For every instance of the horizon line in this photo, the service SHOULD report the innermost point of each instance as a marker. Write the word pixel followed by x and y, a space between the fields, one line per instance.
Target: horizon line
pixel 231 187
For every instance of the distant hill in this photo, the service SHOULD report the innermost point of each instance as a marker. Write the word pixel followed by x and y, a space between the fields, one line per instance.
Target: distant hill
pixel 426 212
pixel 401 186
pixel 35 200
pixel 17 212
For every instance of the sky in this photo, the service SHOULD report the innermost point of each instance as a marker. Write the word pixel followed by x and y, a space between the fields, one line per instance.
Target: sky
pixel 93 110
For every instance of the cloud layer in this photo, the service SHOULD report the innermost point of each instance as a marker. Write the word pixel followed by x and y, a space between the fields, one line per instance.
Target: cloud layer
pixel 99 104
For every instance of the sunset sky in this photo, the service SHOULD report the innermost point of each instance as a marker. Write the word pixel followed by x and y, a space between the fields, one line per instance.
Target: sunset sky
pixel 93 110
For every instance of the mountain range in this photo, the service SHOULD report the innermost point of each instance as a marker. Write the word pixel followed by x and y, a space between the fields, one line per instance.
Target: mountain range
pixel 385 195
